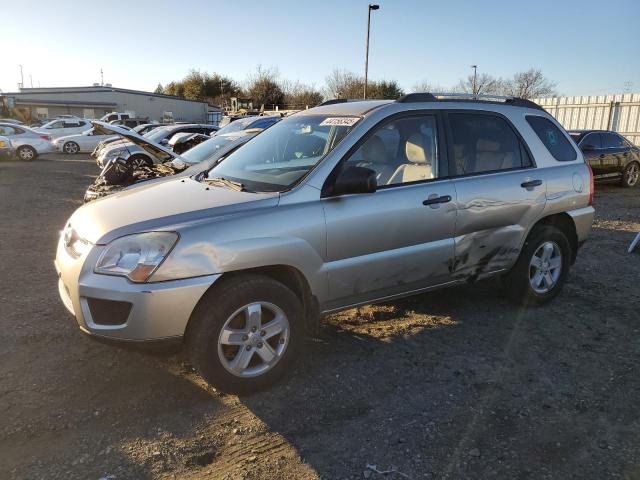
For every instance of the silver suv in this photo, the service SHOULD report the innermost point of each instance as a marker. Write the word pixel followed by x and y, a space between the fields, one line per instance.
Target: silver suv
pixel 341 205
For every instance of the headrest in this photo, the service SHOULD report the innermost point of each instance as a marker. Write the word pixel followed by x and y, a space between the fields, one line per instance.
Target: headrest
pixel 483 145
pixel 415 149
pixel 373 150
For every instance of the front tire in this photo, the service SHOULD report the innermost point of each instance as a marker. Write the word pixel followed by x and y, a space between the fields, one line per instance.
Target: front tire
pixel 26 153
pixel 631 175
pixel 245 333
pixel 138 161
pixel 541 269
pixel 71 148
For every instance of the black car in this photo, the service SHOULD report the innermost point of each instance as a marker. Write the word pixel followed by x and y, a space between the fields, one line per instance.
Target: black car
pixel 610 155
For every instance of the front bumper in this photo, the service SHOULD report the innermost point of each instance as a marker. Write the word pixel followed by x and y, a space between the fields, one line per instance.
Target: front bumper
pixel 158 310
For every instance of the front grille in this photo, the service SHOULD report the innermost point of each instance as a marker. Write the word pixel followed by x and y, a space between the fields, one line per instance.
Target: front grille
pixel 108 312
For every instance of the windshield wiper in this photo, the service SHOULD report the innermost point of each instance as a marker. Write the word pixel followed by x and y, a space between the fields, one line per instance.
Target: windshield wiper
pixel 225 182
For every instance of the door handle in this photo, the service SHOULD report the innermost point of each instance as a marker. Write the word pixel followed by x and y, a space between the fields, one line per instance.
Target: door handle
pixel 435 200
pixel 602 155
pixel 531 183
pixel 625 154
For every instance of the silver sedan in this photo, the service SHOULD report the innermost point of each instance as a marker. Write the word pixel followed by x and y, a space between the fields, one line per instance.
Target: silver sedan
pixel 27 142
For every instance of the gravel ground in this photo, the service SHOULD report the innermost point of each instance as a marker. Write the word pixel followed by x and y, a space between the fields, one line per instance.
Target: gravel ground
pixel 453 384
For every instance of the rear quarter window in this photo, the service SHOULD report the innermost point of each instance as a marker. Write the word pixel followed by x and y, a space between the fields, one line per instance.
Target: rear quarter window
pixel 555 141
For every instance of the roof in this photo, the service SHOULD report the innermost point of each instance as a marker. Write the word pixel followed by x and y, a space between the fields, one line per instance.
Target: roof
pixel 95 89
pixel 351 107
pixel 82 103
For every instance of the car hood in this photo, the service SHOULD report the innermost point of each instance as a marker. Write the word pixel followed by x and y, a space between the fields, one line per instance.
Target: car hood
pixel 161 206
pixel 155 149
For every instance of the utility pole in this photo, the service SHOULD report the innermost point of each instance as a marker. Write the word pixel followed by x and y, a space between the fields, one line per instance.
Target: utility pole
pixel 21 77
pixel 366 60
pixel 475 79
pixel 101 78
pixel 31 80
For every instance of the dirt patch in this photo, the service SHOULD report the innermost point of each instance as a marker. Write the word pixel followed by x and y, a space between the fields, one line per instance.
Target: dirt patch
pixel 458 383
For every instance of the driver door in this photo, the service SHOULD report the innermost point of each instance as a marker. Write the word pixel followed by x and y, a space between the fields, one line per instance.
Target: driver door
pixel 399 238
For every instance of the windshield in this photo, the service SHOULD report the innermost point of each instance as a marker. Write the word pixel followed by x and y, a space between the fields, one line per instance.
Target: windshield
pixel 237 125
pixel 280 156
pixel 157 134
pixel 206 149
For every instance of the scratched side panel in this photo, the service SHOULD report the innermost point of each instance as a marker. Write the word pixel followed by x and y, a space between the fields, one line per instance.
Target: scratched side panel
pixel 494 214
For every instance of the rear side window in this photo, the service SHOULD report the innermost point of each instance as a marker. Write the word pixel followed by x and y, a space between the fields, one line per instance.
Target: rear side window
pixel 484 143
pixel 593 141
pixel 555 141
pixel 613 140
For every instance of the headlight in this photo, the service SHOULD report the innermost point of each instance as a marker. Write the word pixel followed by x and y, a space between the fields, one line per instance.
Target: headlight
pixel 116 153
pixel 136 256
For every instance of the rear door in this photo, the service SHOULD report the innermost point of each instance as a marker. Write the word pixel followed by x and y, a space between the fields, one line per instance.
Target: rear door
pixel 499 191
pixel 399 238
pixel 616 151
pixel 591 146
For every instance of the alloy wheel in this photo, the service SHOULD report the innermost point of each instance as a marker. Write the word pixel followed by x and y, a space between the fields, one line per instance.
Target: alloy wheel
pixel 26 154
pixel 253 339
pixel 545 267
pixel 71 148
pixel 633 174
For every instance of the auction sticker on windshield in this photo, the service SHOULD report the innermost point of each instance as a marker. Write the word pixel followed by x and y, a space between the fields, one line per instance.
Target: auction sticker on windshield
pixel 339 121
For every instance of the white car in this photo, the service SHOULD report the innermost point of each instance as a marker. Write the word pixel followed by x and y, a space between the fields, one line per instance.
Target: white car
pixel 83 142
pixel 62 127
pixel 27 142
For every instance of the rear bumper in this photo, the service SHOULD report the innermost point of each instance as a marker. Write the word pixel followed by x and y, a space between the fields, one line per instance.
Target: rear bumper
pixel 582 219
pixel 158 312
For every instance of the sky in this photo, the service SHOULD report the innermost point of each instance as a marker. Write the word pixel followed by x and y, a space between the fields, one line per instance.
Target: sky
pixel 586 47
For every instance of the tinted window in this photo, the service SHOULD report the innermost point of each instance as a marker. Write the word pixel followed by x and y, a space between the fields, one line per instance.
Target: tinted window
pixel 484 143
pixel 613 140
pixel 6 130
pixel 593 141
pixel 553 138
pixel 403 151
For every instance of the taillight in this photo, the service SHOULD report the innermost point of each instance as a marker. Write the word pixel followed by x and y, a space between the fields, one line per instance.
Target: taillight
pixel 591 185
pixel 46 137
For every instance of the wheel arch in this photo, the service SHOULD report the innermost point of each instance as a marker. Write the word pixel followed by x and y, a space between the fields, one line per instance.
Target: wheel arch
pixel 289 276
pixel 563 222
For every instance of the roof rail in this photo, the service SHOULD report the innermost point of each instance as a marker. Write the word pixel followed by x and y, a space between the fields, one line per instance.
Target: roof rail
pixel 443 97
pixel 417 97
pixel 333 102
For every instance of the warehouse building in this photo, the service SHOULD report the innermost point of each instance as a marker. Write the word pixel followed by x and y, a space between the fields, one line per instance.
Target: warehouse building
pixel 95 101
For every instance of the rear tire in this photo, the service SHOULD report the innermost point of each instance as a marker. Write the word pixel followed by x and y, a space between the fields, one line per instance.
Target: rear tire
pixel 631 175
pixel 541 269
pixel 226 329
pixel 71 148
pixel 26 153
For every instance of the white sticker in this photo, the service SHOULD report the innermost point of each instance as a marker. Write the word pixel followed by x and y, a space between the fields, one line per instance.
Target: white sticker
pixel 340 121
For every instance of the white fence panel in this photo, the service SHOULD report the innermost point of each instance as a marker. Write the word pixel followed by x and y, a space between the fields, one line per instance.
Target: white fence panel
pixel 620 113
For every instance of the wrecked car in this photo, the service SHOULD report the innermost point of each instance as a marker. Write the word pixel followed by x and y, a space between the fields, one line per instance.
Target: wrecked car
pixel 131 152
pixel 120 174
pixel 344 204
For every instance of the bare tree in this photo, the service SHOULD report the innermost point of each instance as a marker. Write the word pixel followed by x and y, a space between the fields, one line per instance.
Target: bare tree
pixel 346 84
pixel 427 86
pixel 531 84
pixel 485 85
pixel 263 87
pixel 298 95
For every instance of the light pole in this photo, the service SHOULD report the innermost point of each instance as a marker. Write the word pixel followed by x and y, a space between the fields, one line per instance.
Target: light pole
pixel 475 79
pixel 366 60
pixel 21 77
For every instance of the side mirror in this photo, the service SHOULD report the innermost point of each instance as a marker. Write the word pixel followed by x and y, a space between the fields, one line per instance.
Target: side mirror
pixel 164 142
pixel 355 180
